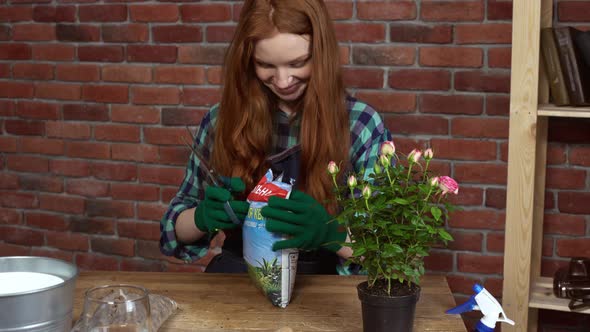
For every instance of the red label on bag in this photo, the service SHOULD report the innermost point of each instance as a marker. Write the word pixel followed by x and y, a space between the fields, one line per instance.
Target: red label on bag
pixel 265 189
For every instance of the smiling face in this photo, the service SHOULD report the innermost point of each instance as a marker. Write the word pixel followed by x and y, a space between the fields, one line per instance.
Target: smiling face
pixel 283 64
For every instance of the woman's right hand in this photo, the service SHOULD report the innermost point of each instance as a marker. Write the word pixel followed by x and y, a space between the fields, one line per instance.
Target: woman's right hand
pixel 211 215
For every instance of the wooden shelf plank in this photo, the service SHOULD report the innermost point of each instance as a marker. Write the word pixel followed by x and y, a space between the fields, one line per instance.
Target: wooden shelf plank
pixel 542 297
pixel 563 111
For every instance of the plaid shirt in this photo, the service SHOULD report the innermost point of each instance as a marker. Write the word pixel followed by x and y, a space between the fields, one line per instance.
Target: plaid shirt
pixel 367 132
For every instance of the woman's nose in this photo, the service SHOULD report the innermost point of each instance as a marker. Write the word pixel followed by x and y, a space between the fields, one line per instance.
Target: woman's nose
pixel 282 79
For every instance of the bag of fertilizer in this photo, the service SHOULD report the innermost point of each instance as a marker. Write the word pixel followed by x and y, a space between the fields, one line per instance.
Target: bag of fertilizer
pixel 271 271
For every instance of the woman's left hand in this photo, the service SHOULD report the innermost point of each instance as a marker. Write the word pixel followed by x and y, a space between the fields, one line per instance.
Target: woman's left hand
pixel 305 220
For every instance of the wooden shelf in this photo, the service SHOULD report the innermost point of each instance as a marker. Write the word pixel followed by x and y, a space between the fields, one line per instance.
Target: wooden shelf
pixel 542 297
pixel 563 111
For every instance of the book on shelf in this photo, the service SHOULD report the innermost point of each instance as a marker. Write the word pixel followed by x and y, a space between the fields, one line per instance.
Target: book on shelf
pixel 582 41
pixel 575 71
pixel 550 56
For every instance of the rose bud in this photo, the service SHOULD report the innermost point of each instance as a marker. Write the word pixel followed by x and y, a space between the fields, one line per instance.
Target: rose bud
pixel 333 168
pixel 384 160
pixel 377 169
pixel 434 181
pixel 447 184
pixel 351 181
pixel 366 192
pixel 388 148
pixel 415 155
pixel 428 154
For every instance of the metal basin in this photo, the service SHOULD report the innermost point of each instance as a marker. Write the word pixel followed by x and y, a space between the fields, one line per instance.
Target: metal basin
pixel 45 309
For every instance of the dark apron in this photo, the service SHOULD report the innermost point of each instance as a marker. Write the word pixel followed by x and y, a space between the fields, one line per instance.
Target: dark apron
pixel 231 259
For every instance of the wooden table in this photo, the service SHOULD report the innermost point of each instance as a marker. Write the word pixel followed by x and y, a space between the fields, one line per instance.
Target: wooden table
pixel 230 302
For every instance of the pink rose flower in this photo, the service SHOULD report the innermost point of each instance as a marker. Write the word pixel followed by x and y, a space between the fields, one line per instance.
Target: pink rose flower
pixel 351 181
pixel 366 192
pixel 447 184
pixel 415 155
pixel 333 168
pixel 428 154
pixel 434 181
pixel 388 148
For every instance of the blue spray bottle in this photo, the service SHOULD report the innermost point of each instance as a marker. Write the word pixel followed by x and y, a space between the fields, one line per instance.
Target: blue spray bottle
pixel 490 308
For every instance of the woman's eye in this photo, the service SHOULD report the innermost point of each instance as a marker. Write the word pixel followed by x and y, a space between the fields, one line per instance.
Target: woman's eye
pixel 298 64
pixel 264 65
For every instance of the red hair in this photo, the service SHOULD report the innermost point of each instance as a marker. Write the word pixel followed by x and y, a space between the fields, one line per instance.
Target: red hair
pixel 243 134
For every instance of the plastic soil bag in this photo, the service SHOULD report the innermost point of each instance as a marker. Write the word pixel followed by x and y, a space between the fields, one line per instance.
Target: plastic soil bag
pixel 272 271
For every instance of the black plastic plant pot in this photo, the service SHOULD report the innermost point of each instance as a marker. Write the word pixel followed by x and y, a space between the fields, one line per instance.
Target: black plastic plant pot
pixel 387 313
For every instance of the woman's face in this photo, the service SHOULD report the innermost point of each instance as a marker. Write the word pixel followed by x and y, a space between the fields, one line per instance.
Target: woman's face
pixel 283 64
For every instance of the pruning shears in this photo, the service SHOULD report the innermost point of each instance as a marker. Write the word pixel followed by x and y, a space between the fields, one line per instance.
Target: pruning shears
pixel 214 179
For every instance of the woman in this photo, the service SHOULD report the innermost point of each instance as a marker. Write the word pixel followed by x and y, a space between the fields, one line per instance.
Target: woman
pixel 282 90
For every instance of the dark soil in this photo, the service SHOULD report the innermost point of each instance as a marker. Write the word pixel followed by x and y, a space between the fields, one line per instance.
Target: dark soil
pixel 397 289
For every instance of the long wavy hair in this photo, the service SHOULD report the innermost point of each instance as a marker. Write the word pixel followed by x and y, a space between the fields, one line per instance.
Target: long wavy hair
pixel 243 134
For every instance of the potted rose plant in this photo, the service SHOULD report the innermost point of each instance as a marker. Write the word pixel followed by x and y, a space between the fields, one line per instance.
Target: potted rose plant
pixel 394 216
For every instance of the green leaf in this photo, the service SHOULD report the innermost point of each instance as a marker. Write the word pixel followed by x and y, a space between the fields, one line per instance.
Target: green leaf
pixel 401 201
pixel 445 235
pixel 436 212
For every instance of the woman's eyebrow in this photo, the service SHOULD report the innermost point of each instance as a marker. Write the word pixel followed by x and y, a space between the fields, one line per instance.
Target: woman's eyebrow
pixel 301 58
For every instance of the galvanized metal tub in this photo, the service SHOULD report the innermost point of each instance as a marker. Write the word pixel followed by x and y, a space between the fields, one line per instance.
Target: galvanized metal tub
pixel 40 310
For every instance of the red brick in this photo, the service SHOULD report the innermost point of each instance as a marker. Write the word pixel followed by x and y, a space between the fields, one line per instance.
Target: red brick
pixel 161 175
pixel 419 33
pixel 135 114
pixel 156 95
pixel 151 53
pixel 388 101
pixel 22 127
pixel 580 155
pixel 23 163
pixel 569 130
pixel 16 89
pixel 33 32
pixel 61 203
pixel 182 116
pixel 8 180
pixel 495 33
pixel 154 13
pixel 555 154
pixel 8 144
pixel 141 265
pixel 482 81
pixel 451 56
pixel 102 13
pixel 499 9
pixel 74 168
pixel 67 130
pixel 108 208
pixel 480 264
pixel 101 53
pixel 21 236
pixel 383 55
pixel 59 91
pixel 462 284
pixel 476 219
pixel 42 145
pixel 51 253
pixel 451 104
pixel 151 249
pixel 360 32
pixel 497 105
pixel 89 150
pixel 130 33
pixel 547 246
pixel 573 202
pixel 96 262
pixel 452 11
pixel 135 152
pixel 439 261
pixel 499 57
pixel 68 241
pixel 15 51
pixel 163 136
pixel 170 155
pixel 15 13
pixel 214 75
pixel 207 55
pixel 135 230
pixel 151 211
pixel 37 110
pixel 117 133
pixel 168 193
pixel 34 71
pixel 339 10
pixel 86 112
pixel 481 173
pixel 4 68
pixel 573 247
pixel 132 74
pixel 219 33
pixel 46 221
pixel 573 11
pixel 386 10
pixel 106 93
pixel 177 34
pixel 179 75
pixel 413 79
pixel 121 247
pixel 18 200
pixel 495 242
pixel 77 72
pixel 479 127
pixel 7 107
pixel 54 13
pixel 363 78
pixel 40 183
pixel 469 195
pixel 135 192
pixel 564 224
pixel 11 217
pixel 52 52
pixel 417 124
pixel 92 225
pixel 201 96
pixel 565 178
pixel 114 171
pixel 77 33
pixel 470 241
pixel 205 13
pixel 14 250
pixel 87 187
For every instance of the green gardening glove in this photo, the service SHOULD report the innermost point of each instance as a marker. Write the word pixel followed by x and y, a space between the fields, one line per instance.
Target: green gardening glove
pixel 211 215
pixel 305 220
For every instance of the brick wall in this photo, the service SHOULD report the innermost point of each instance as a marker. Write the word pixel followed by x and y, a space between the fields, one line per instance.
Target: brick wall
pixel 94 96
